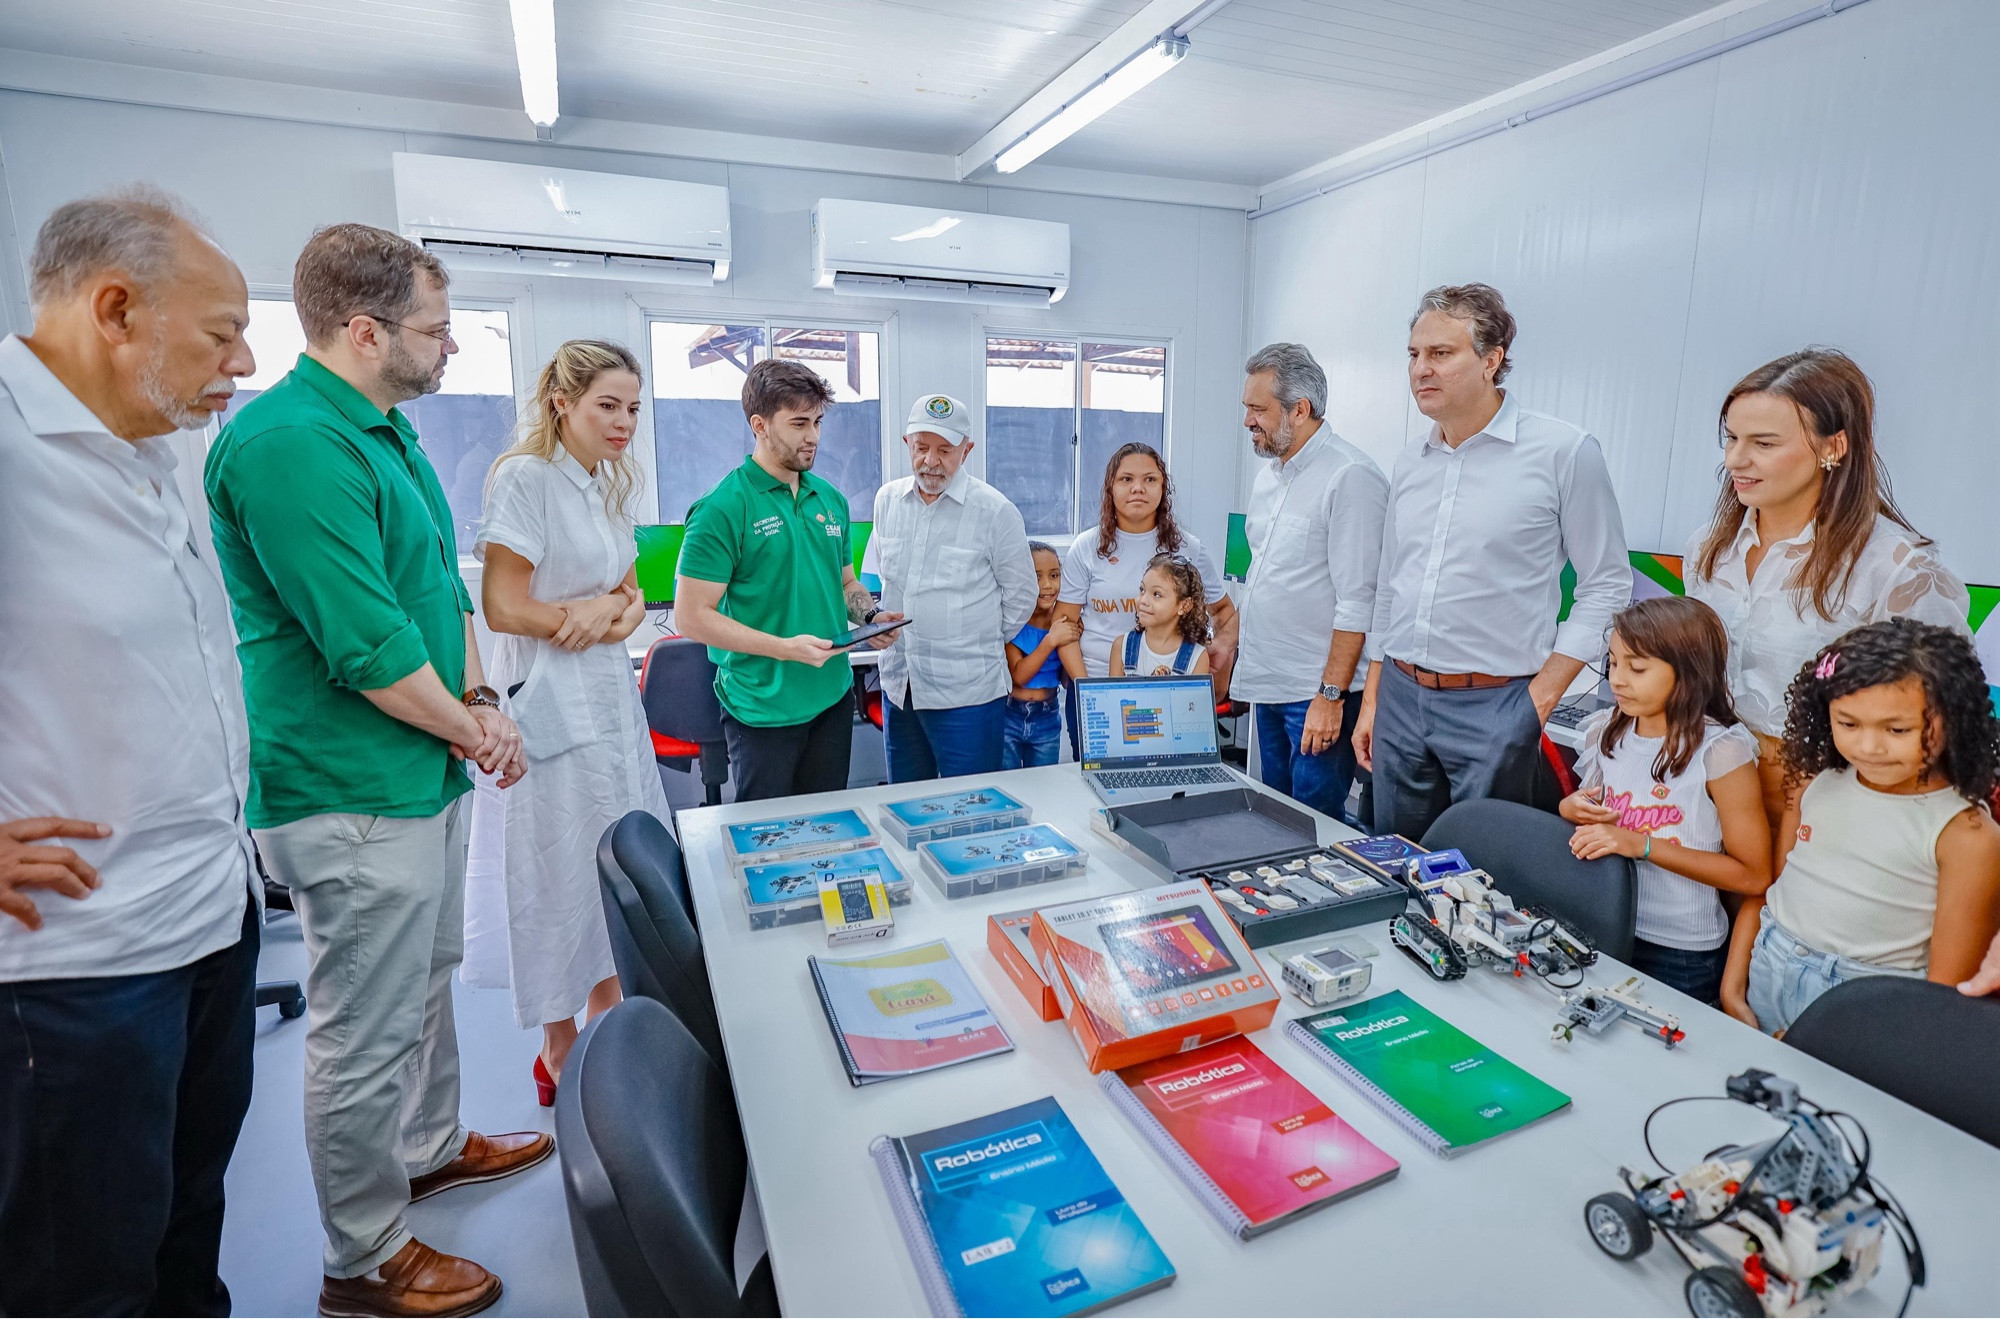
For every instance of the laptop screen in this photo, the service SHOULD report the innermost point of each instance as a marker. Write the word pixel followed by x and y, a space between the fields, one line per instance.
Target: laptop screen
pixel 1139 723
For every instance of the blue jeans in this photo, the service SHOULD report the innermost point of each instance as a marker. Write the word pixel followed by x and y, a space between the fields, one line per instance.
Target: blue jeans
pixel 1695 972
pixel 1033 733
pixel 120 1100
pixel 1320 781
pixel 1787 974
pixel 930 744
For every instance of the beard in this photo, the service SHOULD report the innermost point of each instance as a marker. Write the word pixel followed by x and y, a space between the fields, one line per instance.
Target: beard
pixel 159 395
pixel 932 483
pixel 1274 446
pixel 407 376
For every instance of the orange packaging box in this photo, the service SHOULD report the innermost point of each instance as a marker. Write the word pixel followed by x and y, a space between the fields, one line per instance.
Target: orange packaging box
pixel 1142 975
pixel 1007 940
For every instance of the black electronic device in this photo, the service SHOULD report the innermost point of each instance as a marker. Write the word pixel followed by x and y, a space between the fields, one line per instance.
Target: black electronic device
pixel 866 632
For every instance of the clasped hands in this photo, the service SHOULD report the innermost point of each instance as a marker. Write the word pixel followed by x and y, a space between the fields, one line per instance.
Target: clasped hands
pixel 586 623
pixel 1598 833
pixel 498 750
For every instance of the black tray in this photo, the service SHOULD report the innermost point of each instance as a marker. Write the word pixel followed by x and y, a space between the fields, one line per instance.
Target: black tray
pixel 1240 829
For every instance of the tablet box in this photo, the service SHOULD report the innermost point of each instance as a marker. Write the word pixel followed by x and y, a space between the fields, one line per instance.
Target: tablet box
pixel 923 820
pixel 788 893
pixel 1002 859
pixel 1149 973
pixel 1387 855
pixel 1007 940
pixel 767 842
pixel 1215 834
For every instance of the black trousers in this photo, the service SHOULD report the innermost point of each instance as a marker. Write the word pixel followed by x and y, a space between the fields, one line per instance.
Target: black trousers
pixel 791 759
pixel 120 1101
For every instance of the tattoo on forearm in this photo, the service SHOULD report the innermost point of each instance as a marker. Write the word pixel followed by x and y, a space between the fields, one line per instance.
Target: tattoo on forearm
pixel 859 602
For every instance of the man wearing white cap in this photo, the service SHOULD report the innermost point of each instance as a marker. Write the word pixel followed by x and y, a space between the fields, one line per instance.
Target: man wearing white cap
pixel 953 556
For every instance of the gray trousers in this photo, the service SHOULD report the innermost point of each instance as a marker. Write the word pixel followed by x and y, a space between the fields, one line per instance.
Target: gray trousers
pixel 381 902
pixel 1434 748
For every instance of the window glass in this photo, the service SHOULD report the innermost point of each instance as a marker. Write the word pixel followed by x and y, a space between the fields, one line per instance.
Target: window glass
pixel 1030 429
pixel 850 435
pixel 699 434
pixel 1122 397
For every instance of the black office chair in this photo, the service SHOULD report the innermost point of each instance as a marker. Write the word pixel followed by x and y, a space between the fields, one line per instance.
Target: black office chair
pixel 285 995
pixel 1928 1045
pixel 677 687
pixel 654 943
pixel 653 1171
pixel 1527 853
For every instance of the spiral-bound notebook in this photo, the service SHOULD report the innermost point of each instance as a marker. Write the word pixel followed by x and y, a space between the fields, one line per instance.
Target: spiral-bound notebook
pixel 903 1012
pixel 1011 1214
pixel 1254 1145
pixel 1446 1089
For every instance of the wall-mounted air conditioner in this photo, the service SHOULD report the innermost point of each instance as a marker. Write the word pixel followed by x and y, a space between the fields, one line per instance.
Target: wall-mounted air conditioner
pixel 875 250
pixel 491 216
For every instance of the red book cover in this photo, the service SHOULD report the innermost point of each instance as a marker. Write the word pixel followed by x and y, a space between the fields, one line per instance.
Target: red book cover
pixel 1254 1144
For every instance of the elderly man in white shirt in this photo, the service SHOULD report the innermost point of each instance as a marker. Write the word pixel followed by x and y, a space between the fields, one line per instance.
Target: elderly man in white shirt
pixel 128 958
pixel 1315 530
pixel 1466 659
pixel 953 556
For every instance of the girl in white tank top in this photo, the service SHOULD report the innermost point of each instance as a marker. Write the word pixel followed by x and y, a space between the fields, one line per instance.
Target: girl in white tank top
pixel 1892 861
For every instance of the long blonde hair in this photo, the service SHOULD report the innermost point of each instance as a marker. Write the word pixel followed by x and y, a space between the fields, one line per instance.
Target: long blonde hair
pixel 570 374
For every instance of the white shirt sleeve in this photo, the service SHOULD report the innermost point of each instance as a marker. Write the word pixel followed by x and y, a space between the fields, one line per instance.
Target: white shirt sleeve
pixel 1357 506
pixel 1921 587
pixel 1077 568
pixel 1589 753
pixel 1727 750
pixel 1385 555
pixel 1013 568
pixel 514 515
pixel 1593 537
pixel 1213 587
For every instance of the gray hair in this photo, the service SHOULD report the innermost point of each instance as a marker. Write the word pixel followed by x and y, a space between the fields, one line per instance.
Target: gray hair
pixel 1295 374
pixel 1492 323
pixel 133 229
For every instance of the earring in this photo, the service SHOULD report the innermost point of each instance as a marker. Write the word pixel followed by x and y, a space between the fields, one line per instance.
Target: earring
pixel 1827 464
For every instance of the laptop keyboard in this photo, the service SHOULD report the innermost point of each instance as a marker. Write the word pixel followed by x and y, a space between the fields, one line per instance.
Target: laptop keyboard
pixel 1164 778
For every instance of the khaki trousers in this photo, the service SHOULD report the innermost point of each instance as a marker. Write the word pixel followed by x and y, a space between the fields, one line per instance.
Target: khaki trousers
pixel 381 902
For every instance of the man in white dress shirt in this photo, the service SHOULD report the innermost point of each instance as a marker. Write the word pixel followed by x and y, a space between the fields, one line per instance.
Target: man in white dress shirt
pixel 953 556
pixel 128 958
pixel 1466 659
pixel 1315 529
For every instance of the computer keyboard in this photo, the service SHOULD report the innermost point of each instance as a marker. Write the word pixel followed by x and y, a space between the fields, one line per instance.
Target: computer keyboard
pixel 1164 778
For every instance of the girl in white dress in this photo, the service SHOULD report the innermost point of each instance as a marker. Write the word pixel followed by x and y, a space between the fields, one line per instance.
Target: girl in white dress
pixel 559 590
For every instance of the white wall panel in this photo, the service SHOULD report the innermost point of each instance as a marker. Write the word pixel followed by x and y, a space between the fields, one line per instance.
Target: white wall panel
pixel 1834 184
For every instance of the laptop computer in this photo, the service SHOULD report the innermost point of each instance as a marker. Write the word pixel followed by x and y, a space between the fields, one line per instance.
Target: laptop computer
pixel 1148 738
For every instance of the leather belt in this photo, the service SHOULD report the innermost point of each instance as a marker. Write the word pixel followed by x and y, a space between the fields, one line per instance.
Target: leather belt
pixel 1452 682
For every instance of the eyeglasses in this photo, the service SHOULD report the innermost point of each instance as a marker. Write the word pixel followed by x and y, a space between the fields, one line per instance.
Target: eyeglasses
pixel 442 336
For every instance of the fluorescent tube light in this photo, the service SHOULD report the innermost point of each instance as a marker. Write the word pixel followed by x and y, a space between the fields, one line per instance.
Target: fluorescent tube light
pixel 1120 83
pixel 535 53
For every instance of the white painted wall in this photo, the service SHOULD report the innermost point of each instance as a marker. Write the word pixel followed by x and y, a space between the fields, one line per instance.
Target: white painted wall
pixel 1832 185
pixel 1155 270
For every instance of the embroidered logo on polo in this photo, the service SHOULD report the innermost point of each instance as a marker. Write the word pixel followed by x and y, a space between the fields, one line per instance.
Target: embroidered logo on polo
pixel 768 526
pixel 938 406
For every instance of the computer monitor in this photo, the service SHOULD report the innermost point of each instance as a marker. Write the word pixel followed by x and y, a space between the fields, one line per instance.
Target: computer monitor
pixel 659 556
pixel 1146 723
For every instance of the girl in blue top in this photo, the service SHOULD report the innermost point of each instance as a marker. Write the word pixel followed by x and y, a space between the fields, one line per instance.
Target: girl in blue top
pixel 1032 734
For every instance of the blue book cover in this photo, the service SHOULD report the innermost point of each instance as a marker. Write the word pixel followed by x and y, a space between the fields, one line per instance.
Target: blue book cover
pixel 1005 849
pixel 1011 1214
pixel 953 807
pixel 828 831
pixel 790 881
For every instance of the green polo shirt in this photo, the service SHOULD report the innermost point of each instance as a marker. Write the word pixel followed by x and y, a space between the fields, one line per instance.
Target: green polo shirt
pixel 336 542
pixel 780 559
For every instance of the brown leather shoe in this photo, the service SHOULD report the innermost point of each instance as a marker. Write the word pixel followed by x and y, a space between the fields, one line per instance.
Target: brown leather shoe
pixel 416 1281
pixel 485 1159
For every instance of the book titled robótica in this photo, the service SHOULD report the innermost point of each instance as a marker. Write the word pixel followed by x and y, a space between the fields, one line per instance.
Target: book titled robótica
pixel 1255 1146
pixel 1011 1214
pixel 903 1012
pixel 1446 1089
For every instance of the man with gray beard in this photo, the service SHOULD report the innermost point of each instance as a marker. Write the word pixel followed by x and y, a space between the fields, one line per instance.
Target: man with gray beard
pixel 1315 530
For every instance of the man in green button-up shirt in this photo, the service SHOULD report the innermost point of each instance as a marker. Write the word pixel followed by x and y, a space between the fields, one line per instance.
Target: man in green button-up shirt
pixel 365 693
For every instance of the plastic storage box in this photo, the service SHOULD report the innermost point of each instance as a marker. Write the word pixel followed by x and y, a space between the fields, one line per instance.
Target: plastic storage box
pixel 767 842
pixel 1002 859
pixel 788 892
pixel 923 820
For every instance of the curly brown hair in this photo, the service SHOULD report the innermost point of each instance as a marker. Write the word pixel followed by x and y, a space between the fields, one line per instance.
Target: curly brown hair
pixel 1966 747
pixel 1169 532
pixel 1196 627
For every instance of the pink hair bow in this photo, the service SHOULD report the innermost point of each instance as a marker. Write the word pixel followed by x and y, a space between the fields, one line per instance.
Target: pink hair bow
pixel 1827 664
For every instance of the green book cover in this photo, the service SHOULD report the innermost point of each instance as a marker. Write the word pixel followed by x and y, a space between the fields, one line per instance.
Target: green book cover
pixel 1442 1086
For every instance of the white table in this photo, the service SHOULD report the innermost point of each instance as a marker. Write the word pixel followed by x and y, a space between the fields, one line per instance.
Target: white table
pixel 1498 1230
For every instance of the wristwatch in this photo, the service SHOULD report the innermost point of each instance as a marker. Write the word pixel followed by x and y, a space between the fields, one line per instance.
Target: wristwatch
pixel 481 696
pixel 869 617
pixel 1329 692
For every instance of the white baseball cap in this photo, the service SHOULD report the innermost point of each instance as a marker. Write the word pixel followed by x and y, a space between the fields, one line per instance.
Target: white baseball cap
pixel 940 414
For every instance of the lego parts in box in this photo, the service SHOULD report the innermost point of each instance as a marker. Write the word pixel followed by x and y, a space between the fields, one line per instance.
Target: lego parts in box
pixel 1002 859
pixel 951 815
pixel 1145 974
pixel 766 842
pixel 1007 940
pixel 789 893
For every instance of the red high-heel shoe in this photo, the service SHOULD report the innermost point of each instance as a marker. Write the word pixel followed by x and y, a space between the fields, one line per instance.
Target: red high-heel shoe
pixel 545 1085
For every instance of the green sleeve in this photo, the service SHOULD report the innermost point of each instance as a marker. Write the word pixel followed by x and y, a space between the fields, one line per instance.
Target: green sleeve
pixel 306 506
pixel 713 544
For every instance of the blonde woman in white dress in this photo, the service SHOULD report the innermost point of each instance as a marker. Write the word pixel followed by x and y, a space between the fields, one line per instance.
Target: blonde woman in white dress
pixel 559 591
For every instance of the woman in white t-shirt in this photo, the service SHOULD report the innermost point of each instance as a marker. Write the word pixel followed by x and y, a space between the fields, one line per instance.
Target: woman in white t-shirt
pixel 1103 569
pixel 1670 779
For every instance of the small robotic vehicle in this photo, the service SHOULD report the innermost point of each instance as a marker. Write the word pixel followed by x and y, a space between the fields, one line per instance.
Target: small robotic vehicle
pixel 1458 919
pixel 1784 1227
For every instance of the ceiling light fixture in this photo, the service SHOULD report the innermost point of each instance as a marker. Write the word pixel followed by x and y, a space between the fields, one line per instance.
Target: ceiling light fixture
pixel 1113 88
pixel 535 53
pixel 931 230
